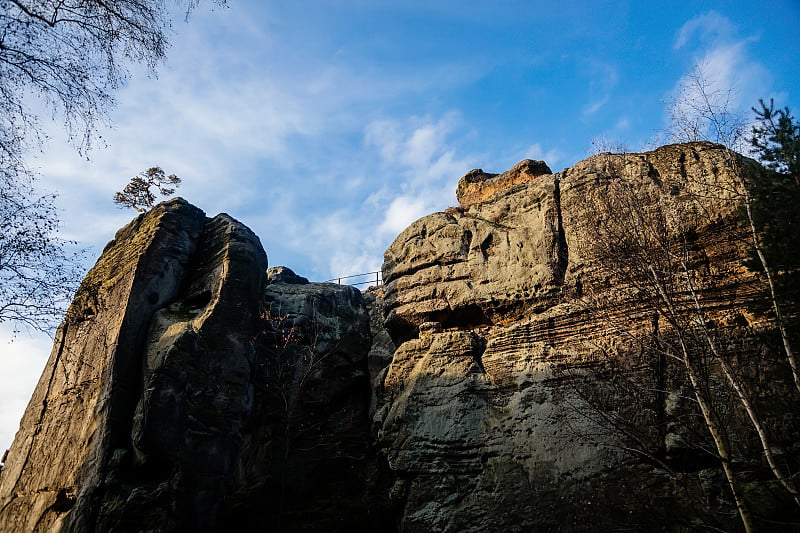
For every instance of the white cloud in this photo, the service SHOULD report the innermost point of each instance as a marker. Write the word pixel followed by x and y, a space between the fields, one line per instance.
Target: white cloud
pixel 22 362
pixel 421 154
pixel 722 58
pixel 604 79
pixel 724 76
pixel 728 66
pixel 710 26
pixel 341 221
pixel 551 157
pixel 403 211
pixel 595 106
pixel 418 147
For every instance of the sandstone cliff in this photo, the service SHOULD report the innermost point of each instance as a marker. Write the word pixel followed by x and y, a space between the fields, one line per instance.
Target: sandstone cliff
pixel 503 321
pixel 500 380
pixel 186 391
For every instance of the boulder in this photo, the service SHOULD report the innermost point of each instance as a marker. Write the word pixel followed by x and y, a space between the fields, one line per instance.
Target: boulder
pixel 284 274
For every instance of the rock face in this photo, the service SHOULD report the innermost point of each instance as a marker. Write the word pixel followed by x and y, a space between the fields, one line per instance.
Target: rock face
pixel 477 185
pixel 55 476
pixel 520 250
pixel 307 461
pixel 183 392
pixel 511 402
pixel 500 380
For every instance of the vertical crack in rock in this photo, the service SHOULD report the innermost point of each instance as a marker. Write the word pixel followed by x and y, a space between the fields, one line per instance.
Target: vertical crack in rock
pixel 562 250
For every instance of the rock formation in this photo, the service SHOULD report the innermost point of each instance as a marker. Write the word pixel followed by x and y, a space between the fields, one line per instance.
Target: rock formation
pixel 486 417
pixel 191 390
pixel 476 185
pixel 498 381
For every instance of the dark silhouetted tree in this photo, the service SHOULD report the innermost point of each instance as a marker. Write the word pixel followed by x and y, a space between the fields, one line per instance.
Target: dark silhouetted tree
pixel 776 139
pixel 72 54
pixel 137 193
pixel 37 272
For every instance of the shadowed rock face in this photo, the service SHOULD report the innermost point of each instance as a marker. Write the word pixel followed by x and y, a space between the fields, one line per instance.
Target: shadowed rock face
pixel 308 463
pixel 192 389
pixel 197 389
pixel 184 393
pixel 82 408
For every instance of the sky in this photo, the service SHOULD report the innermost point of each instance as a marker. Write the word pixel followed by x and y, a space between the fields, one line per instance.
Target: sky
pixel 328 126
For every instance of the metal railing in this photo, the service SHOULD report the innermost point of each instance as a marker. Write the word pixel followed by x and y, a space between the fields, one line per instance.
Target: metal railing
pixel 374 277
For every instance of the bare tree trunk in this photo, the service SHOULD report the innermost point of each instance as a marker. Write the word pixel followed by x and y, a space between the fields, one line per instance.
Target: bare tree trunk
pixel 741 394
pixel 706 411
pixel 703 113
pixel 781 323
pixel 639 239
pixel 713 115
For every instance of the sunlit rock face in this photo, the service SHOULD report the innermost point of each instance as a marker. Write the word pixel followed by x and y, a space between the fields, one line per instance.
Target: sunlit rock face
pixel 477 186
pixel 502 322
pixel 500 380
pixel 520 250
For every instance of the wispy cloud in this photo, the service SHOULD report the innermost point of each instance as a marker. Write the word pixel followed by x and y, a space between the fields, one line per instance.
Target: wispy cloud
pixel 405 168
pixel 604 79
pixel 261 136
pixel 723 58
pixel 421 152
pixel 724 76
pixel 418 146
pixel 552 156
pixel 411 167
pixel 709 27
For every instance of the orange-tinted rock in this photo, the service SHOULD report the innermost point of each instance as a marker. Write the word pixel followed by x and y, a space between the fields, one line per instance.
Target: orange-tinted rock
pixel 478 186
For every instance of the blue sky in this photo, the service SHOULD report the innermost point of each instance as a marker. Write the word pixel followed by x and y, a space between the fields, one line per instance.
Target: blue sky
pixel 328 126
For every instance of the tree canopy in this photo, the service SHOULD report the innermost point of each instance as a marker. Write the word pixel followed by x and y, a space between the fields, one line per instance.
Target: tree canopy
pixel 137 193
pixel 37 272
pixel 66 57
pixel 776 139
